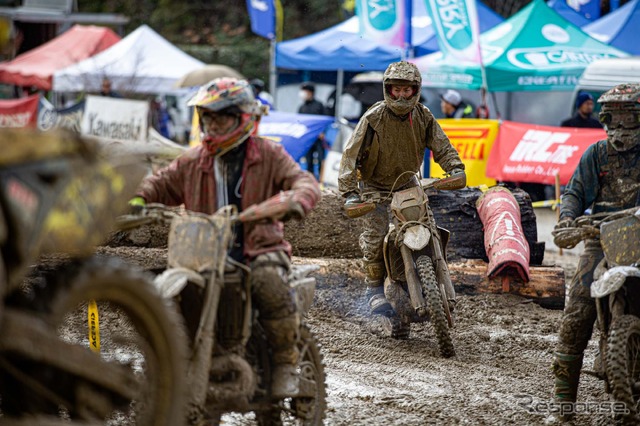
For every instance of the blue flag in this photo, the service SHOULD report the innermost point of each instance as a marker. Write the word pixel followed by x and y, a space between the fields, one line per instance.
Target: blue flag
pixel 589 8
pixel 263 17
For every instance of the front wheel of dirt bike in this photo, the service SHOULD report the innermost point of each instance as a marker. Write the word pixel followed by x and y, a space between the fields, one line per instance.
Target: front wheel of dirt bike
pixel 308 411
pixel 138 330
pixel 435 306
pixel 394 327
pixel 623 365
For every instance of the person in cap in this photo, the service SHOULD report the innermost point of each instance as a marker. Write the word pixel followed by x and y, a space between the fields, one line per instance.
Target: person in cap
pixel 607 179
pixel 452 105
pixel 260 93
pixel 233 166
pixel 385 152
pixel 584 109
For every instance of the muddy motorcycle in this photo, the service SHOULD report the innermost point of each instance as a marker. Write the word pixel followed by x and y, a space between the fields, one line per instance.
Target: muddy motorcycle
pixel 230 367
pixel 417 283
pixel 616 289
pixel 89 341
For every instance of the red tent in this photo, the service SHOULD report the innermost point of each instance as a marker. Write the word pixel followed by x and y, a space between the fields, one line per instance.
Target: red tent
pixel 36 67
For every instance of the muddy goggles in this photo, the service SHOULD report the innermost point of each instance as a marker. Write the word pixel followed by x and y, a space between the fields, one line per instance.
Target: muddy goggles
pixel 613 119
pixel 208 118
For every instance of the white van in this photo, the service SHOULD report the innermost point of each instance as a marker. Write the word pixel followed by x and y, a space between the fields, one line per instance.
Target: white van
pixel 602 75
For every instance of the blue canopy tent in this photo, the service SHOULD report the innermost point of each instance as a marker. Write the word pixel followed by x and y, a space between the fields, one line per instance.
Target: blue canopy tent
pixel 341 47
pixel 619 28
pixel 568 13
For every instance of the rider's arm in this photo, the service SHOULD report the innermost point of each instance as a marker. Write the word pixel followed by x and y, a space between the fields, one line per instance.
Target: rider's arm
pixel 584 185
pixel 289 176
pixel 165 186
pixel 443 151
pixel 347 176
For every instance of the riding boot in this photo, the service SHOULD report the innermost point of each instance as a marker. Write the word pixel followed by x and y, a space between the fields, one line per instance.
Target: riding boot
pixel 375 272
pixel 566 369
pixel 282 335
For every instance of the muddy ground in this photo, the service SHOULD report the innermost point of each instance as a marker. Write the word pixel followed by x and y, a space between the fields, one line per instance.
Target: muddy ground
pixel 504 346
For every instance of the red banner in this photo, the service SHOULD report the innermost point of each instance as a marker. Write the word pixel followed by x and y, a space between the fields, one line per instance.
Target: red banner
pixel 531 153
pixel 19 112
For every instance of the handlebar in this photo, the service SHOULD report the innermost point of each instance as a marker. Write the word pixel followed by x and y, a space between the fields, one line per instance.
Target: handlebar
pixel 587 227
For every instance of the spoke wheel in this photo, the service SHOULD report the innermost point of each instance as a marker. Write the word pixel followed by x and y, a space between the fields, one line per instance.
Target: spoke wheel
pixel 623 364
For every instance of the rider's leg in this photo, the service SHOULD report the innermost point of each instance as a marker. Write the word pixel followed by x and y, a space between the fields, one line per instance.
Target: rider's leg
pixel 576 328
pixel 279 318
pixel 376 225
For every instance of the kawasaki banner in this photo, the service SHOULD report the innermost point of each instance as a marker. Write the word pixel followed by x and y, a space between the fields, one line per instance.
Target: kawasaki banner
pixel 456 25
pixel 383 21
pixel 535 154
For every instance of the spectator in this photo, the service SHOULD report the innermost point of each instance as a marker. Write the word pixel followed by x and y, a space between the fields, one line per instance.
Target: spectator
pixel 106 89
pixel 582 118
pixel 315 154
pixel 452 105
pixel 263 96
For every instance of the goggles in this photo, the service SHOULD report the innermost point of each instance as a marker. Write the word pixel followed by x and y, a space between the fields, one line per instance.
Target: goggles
pixel 219 119
pixel 628 119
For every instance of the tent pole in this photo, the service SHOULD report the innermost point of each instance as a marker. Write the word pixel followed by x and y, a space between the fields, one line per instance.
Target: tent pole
pixel 272 71
pixel 339 87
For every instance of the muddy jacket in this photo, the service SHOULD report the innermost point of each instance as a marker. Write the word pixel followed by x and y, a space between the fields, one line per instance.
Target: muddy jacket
pixel 267 170
pixel 605 180
pixel 383 146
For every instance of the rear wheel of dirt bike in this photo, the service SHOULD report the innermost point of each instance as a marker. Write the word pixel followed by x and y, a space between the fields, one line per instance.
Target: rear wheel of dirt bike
pixel 394 327
pixel 138 330
pixel 623 364
pixel 308 411
pixel 435 306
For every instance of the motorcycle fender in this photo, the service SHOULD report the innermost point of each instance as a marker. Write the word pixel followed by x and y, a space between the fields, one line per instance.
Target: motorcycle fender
pixel 612 280
pixel 416 237
pixel 172 281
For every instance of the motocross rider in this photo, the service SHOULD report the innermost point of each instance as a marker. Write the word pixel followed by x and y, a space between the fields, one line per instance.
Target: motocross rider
pixel 385 152
pixel 606 179
pixel 233 166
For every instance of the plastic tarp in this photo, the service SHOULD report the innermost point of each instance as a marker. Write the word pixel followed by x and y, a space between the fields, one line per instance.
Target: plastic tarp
pixel 36 67
pixel 568 13
pixel 534 50
pixel 142 62
pixel 342 46
pixel 619 28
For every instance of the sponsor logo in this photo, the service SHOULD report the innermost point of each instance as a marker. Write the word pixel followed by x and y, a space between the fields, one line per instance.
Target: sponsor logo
pixel 19 119
pixel 260 5
pixel 452 19
pixel 381 14
pixel 555 34
pixel 554 57
pixel 543 147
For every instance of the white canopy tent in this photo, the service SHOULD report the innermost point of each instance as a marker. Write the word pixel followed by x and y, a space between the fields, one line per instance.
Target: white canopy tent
pixel 142 62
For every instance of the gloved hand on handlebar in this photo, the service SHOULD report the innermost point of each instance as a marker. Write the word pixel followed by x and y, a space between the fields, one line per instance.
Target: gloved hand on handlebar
pixel 565 222
pixel 296 212
pixel 456 172
pixel 136 205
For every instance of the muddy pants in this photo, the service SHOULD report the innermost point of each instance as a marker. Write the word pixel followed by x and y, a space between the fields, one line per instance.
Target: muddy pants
pixel 274 301
pixel 376 225
pixel 580 313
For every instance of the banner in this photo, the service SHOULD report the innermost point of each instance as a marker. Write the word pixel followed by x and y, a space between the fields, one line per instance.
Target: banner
pixel 383 21
pixel 17 113
pixel 295 132
pixel 114 118
pixel 66 118
pixel 535 154
pixel 457 30
pixel 473 139
pixel 265 15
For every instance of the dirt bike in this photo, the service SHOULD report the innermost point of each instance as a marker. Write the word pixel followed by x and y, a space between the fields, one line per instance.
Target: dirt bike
pixel 230 368
pixel 90 342
pixel 417 283
pixel 616 289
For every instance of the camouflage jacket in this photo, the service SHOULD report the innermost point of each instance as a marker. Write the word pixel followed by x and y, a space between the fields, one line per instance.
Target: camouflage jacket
pixel 267 170
pixel 383 146
pixel 605 180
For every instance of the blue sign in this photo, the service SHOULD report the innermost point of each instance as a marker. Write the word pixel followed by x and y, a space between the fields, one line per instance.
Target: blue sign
pixel 295 132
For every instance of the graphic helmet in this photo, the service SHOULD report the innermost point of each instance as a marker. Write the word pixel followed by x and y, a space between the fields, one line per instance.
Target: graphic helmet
pixel 406 74
pixel 621 115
